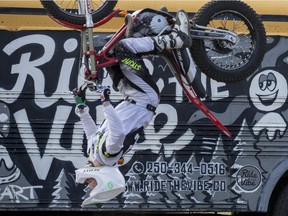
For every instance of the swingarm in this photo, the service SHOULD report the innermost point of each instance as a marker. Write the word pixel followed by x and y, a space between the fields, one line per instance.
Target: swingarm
pixel 202 32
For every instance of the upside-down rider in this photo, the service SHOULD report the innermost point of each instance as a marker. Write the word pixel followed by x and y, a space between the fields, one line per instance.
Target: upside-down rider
pixel 108 143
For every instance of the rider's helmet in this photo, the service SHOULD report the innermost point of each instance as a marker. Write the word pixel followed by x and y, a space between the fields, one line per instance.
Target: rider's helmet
pixel 110 183
pixel 149 24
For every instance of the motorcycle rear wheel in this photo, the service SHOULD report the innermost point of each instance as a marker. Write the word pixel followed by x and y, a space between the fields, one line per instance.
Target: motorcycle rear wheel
pixel 220 60
pixel 68 10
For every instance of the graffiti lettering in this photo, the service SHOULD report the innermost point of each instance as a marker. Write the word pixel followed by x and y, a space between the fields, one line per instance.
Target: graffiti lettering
pixel 18 194
pixel 26 66
pixel 212 169
pixel 176 185
pixel 216 91
pixel 249 178
pixel 179 91
pixel 30 142
pixel 174 154
pixel 29 66
pixel 163 168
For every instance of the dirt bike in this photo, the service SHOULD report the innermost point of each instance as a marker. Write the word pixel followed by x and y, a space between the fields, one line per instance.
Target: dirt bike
pixel 229 40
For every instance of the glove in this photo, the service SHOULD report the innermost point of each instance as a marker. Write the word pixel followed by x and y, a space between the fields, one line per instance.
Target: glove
pixel 80 97
pixel 91 86
pixel 105 93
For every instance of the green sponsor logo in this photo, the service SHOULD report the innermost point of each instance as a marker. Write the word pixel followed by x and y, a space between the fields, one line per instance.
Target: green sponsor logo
pixel 110 185
pixel 131 63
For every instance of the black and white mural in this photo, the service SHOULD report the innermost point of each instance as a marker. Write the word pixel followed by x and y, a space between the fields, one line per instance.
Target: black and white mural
pixel 182 160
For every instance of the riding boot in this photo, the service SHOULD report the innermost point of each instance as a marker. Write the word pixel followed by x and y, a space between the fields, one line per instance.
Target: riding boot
pixel 179 37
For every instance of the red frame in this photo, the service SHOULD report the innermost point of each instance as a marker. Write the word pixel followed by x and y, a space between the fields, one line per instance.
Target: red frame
pixel 188 89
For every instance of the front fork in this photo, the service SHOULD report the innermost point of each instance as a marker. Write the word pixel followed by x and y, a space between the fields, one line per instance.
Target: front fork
pixel 88 50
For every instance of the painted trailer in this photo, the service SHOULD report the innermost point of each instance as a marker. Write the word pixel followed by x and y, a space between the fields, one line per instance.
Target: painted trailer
pixel 182 162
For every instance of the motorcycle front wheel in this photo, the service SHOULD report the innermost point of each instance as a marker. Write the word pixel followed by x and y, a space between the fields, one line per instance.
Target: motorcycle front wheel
pixel 68 10
pixel 221 60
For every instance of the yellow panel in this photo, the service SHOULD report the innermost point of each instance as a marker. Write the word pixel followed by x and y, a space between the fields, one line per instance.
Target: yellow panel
pixel 261 6
pixel 21 3
pixel 14 22
pixel 275 7
pixel 43 22
pixel 276 28
pixel 172 5
pixel 26 22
